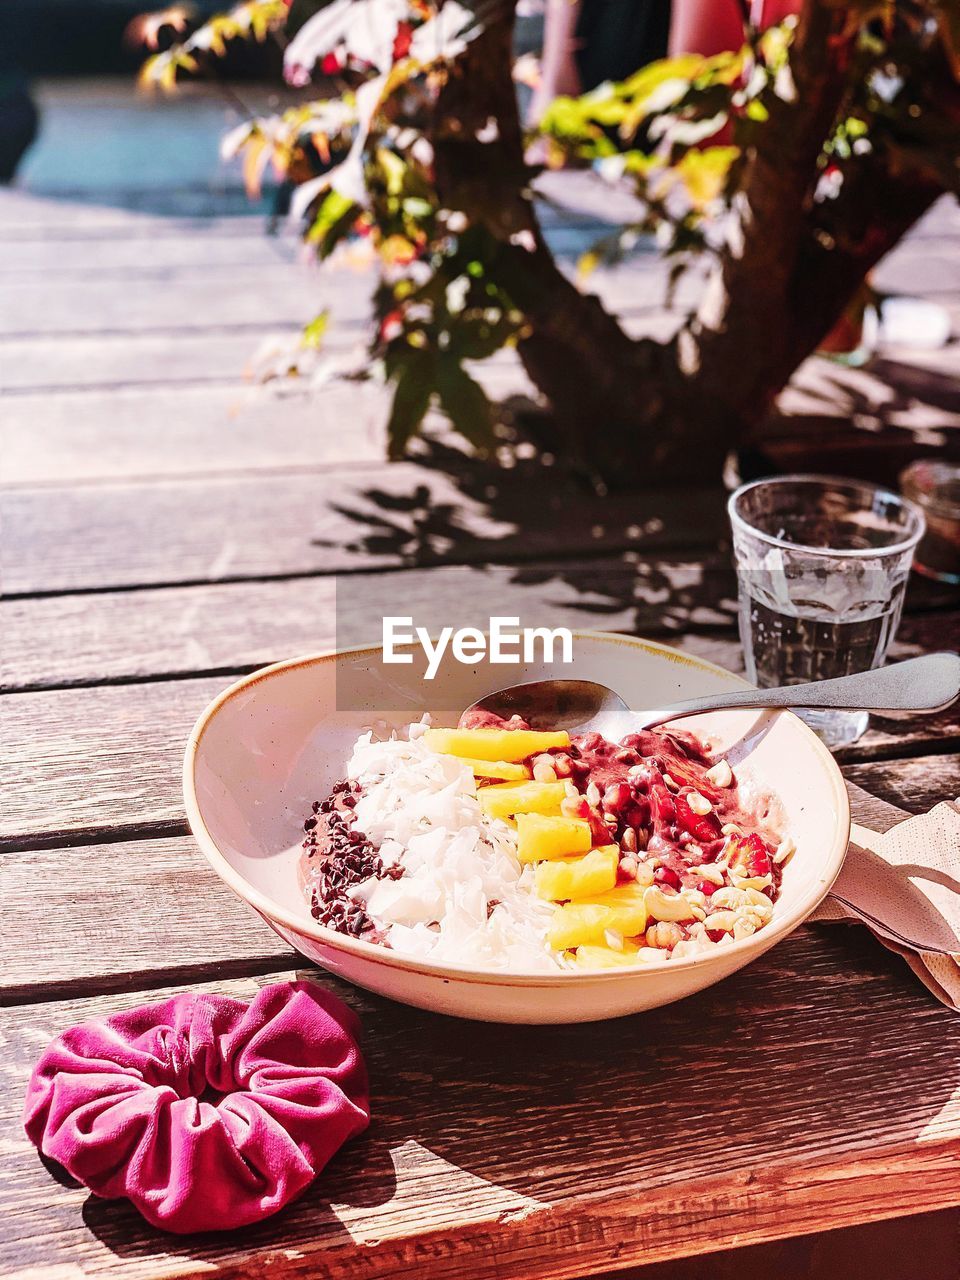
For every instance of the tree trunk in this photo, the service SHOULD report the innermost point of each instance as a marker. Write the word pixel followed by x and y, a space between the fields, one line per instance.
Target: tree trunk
pixel 632 411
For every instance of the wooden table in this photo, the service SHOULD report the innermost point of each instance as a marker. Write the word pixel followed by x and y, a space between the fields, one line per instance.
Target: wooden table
pixel 165 529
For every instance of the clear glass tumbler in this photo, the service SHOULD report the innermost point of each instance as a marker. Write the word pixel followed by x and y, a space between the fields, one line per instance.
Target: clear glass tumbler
pixel 822 569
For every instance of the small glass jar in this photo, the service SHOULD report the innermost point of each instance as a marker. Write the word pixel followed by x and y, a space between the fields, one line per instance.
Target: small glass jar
pixel 935 487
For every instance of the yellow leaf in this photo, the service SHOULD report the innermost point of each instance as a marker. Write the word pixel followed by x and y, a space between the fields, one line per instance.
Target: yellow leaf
pixel 254 163
pixel 704 173
pixel 587 264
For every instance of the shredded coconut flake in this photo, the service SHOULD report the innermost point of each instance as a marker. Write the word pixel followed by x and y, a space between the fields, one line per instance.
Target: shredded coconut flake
pixel 463 895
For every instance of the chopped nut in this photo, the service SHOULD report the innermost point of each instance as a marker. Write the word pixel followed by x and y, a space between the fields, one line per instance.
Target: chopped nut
pixel 709 871
pixel 730 898
pixel 758 899
pixel 723 921
pixel 630 840
pixel 699 804
pixel 730 829
pixel 750 882
pixel 785 850
pixel 543 771
pixel 688 947
pixel 664 934
pixel 660 906
pixel 719 774
pixel 645 872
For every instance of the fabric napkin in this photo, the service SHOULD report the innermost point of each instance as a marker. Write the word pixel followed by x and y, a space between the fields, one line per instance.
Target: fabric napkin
pixel 905 887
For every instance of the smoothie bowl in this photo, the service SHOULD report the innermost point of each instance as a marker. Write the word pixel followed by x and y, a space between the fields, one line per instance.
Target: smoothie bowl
pixel 509 872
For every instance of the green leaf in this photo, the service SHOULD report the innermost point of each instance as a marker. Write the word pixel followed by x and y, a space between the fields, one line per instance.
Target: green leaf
pixel 415 385
pixel 334 218
pixel 312 336
pixel 465 404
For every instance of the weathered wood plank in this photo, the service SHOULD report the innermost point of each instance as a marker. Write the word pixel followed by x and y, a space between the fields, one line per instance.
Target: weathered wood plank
pixel 199 246
pixel 157 891
pixel 35 368
pixel 84 760
pixel 490 1155
pixel 914 784
pixel 128 433
pixel 154 936
pixel 80 762
pixel 182 630
pixel 290 294
pixel 119 407
pixel 134 635
pixel 125 535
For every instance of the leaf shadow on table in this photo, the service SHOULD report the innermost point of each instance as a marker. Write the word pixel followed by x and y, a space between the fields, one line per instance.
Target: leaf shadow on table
pixel 806 1056
pixel 532 537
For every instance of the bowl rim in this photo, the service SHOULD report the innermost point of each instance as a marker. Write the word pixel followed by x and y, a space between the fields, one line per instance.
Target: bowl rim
pixel 277 915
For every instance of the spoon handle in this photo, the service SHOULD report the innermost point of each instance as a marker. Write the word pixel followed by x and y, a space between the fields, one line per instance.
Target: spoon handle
pixel 919 684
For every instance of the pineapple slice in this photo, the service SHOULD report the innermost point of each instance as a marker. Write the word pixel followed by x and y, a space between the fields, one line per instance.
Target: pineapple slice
pixel 502 770
pixel 541 836
pixel 504 799
pixel 607 958
pixel 493 744
pixel 584 923
pixel 567 878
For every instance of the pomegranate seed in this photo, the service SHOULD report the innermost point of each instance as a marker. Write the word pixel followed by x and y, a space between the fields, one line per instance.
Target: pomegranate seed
pixel 574 808
pixel 716 934
pixel 758 856
pixel 616 797
pixel 703 827
pixel 666 876
pixel 707 887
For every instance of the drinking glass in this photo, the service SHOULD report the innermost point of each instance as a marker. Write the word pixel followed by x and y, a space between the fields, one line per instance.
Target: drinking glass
pixel 822 568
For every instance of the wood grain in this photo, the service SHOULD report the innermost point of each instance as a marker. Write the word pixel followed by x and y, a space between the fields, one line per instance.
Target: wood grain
pixel 490 1154
pixel 914 784
pixel 390 515
pixel 173 918
pixel 125 433
pixel 158 890
pixel 188 630
pixel 816 1089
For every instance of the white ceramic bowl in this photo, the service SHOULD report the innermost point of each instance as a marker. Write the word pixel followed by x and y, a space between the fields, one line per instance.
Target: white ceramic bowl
pixel 278 739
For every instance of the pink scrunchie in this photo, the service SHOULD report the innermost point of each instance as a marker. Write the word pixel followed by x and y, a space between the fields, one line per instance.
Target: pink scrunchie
pixel 119 1103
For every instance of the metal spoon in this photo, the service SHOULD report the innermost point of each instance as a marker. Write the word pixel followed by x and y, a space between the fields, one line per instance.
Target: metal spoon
pixel 929 683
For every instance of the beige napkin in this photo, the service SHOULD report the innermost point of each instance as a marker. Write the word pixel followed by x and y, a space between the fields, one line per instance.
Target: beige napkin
pixel 905 887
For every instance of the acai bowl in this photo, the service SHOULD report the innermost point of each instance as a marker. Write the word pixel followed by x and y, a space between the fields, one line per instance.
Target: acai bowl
pixel 588 867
